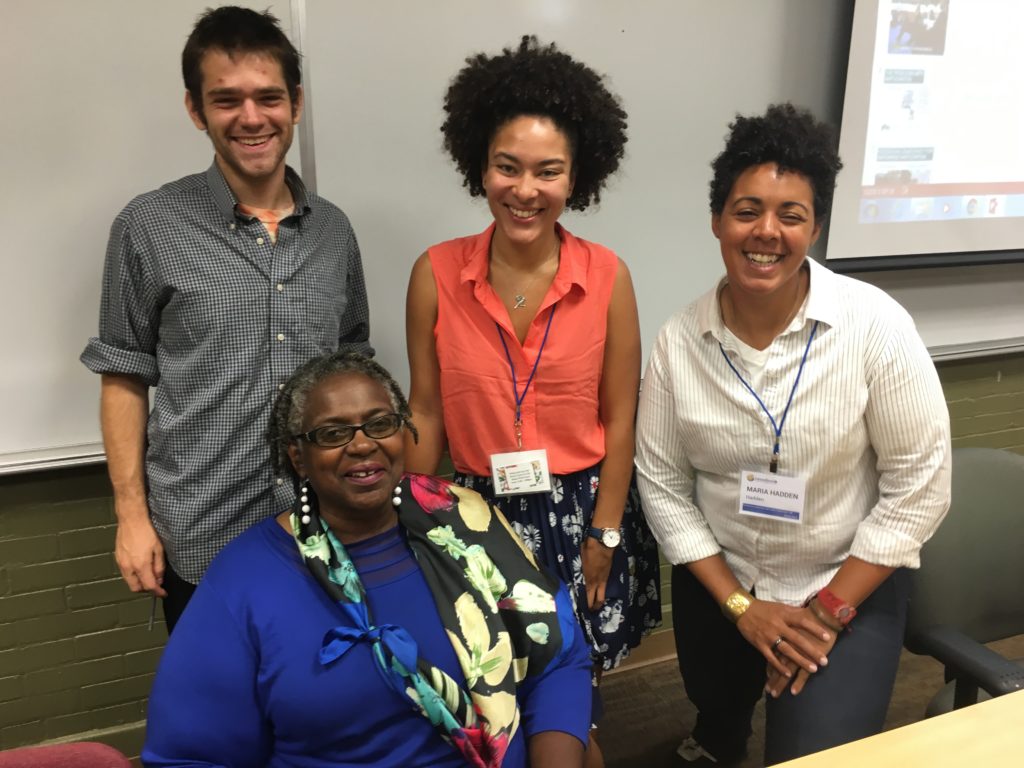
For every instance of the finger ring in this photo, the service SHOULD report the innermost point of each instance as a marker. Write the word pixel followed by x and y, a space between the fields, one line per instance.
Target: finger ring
pixel 777 643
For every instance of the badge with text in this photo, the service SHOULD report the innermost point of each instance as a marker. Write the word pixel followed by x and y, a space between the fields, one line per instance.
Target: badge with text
pixel 771 495
pixel 520 472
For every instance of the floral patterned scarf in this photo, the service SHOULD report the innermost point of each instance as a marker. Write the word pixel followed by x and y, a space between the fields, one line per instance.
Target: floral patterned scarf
pixel 497 607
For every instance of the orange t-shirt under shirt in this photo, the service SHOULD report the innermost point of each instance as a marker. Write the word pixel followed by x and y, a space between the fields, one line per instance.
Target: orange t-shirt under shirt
pixel 269 217
pixel 561 409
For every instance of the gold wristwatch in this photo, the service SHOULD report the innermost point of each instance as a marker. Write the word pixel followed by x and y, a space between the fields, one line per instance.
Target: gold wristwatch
pixel 736 604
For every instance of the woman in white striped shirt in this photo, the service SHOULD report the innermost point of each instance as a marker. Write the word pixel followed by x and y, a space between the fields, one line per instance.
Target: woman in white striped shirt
pixel 793 456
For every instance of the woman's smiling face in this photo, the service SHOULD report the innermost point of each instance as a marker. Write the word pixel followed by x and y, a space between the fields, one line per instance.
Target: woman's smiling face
pixel 765 229
pixel 528 178
pixel 355 481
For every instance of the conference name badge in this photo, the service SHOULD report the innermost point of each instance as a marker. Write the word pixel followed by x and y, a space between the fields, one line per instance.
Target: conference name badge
pixel 520 472
pixel 773 496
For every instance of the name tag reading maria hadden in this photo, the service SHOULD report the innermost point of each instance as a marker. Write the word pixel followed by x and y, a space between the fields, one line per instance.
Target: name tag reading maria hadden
pixel 773 496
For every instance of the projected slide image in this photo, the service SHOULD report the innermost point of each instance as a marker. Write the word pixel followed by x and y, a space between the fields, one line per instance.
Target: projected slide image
pixel 918 28
pixel 897 209
pixel 900 171
pixel 901 178
pixel 902 106
pixel 943 129
pixel 932 135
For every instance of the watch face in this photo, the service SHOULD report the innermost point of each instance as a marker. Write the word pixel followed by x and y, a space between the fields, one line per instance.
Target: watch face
pixel 610 538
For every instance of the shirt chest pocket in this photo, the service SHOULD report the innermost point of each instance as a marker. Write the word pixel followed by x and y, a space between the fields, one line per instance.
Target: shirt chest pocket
pixel 316 306
pixel 215 304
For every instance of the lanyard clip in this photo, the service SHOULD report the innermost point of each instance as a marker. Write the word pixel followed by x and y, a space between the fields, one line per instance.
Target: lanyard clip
pixel 519 433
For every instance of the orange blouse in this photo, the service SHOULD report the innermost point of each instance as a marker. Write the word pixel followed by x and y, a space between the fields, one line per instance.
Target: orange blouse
pixel 560 411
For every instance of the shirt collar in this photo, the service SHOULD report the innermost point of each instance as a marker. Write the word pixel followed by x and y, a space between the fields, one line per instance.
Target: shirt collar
pixel 823 296
pixel 572 267
pixel 821 303
pixel 226 201
pixel 709 311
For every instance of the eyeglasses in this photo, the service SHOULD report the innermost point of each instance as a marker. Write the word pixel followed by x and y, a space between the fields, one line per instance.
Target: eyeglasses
pixel 337 435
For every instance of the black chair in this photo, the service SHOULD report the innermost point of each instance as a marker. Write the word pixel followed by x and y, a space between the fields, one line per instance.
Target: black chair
pixel 970 587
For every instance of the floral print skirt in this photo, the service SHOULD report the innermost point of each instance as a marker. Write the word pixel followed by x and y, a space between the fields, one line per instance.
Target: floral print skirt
pixel 552 525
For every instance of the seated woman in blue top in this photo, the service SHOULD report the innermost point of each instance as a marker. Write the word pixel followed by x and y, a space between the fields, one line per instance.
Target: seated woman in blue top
pixel 388 620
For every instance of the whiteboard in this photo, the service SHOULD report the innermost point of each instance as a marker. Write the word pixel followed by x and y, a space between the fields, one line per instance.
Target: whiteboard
pixel 961 312
pixel 94 115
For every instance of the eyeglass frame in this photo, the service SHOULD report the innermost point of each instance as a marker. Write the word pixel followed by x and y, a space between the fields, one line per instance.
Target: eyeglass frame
pixel 310 436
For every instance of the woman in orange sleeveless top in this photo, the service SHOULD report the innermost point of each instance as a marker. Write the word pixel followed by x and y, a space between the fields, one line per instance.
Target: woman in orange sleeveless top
pixel 524 341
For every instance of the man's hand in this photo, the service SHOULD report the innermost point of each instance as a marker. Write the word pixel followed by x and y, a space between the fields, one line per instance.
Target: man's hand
pixel 124 410
pixel 138 552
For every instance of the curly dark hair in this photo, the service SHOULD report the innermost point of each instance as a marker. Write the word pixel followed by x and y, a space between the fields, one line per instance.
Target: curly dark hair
pixel 788 136
pixel 539 80
pixel 286 417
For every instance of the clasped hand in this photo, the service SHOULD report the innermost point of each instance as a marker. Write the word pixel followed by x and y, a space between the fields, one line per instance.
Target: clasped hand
pixel 791 639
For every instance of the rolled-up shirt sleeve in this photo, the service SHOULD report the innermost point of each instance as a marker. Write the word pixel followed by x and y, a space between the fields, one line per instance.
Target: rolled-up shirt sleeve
pixel 129 311
pixel 908 424
pixel 665 477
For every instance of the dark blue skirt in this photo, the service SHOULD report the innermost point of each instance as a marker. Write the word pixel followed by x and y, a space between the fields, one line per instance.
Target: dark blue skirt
pixel 552 526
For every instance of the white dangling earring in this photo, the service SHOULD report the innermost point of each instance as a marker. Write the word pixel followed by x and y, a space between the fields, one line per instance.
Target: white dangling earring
pixel 304 500
pixel 397 498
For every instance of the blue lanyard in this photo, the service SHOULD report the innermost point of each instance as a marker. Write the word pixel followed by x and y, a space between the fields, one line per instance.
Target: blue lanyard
pixel 773 466
pixel 515 388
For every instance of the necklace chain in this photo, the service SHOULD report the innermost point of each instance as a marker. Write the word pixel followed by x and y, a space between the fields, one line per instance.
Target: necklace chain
pixel 519 297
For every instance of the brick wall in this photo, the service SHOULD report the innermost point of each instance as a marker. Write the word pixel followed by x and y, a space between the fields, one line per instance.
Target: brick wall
pixel 76 659
pixel 986 402
pixel 75 653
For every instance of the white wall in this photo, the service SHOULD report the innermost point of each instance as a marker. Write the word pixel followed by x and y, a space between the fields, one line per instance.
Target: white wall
pixel 379 71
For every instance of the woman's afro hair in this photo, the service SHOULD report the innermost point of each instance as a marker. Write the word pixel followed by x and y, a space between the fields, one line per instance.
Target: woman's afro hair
pixel 785 135
pixel 539 80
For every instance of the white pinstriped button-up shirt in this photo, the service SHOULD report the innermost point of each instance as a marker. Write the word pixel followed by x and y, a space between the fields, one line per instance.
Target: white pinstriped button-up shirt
pixel 868 428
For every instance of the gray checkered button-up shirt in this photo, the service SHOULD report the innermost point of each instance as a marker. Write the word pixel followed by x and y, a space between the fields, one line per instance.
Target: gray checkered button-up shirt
pixel 200 304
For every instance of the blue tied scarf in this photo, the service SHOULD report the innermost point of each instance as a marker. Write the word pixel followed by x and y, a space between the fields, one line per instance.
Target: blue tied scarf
pixel 396 640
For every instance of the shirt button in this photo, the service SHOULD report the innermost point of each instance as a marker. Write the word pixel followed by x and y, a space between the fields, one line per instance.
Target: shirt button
pixel 280 387
pixel 280 287
pixel 280 337
pixel 231 225
pixel 280 481
pixel 259 241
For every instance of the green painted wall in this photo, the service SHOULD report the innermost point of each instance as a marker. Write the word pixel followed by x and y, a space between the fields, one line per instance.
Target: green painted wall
pixel 986 402
pixel 76 656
